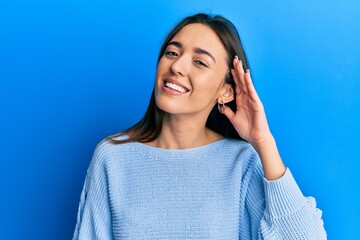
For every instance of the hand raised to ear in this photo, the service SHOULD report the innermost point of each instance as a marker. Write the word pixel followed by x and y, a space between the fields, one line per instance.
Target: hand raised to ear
pixel 249 119
pixel 250 122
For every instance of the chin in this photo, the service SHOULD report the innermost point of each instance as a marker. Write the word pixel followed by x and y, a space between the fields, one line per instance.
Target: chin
pixel 170 108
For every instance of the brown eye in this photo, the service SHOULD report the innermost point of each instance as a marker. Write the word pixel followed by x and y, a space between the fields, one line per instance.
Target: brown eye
pixel 200 63
pixel 171 53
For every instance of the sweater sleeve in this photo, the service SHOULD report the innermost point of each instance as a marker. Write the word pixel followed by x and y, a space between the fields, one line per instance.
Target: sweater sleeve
pixel 94 215
pixel 282 212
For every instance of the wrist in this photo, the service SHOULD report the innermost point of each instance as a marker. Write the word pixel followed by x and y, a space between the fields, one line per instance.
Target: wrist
pixel 264 143
pixel 272 163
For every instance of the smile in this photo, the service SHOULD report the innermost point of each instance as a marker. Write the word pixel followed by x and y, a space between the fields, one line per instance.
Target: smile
pixel 175 87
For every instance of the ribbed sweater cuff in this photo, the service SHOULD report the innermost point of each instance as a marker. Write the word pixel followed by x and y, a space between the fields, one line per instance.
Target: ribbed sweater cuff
pixel 283 196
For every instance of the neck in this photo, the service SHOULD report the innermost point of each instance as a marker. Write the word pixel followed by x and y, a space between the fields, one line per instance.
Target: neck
pixel 181 132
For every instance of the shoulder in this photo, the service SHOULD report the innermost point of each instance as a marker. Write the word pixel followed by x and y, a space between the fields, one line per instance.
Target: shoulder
pixel 238 144
pixel 244 153
pixel 105 151
pixel 240 147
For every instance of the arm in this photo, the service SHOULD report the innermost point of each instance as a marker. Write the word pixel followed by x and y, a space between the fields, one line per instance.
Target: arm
pixel 94 216
pixel 278 210
pixel 250 122
pixel 284 212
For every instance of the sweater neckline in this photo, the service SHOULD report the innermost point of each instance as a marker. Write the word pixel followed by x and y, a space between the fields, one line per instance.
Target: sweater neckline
pixel 178 154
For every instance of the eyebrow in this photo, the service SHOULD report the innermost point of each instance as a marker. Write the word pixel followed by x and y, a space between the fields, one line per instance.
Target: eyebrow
pixel 196 50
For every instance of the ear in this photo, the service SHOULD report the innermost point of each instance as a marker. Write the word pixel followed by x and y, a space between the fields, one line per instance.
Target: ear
pixel 226 94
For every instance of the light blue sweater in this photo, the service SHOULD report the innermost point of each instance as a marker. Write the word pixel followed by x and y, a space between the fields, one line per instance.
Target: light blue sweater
pixel 216 191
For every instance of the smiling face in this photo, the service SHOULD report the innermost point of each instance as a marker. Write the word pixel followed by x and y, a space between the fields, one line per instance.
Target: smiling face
pixel 190 74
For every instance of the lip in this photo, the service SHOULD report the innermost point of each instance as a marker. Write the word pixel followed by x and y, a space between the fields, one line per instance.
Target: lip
pixel 172 91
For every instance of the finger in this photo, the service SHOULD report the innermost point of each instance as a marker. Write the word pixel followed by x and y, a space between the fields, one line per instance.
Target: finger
pixel 231 115
pixel 239 70
pixel 237 85
pixel 250 87
pixel 228 113
pixel 236 76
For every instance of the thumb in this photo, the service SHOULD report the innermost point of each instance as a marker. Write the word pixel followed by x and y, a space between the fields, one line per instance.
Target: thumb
pixel 231 115
pixel 228 112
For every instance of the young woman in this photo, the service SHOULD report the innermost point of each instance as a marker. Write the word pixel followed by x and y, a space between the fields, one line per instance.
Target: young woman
pixel 202 163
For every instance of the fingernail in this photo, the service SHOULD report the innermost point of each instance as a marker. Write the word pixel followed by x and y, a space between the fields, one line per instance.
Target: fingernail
pixel 236 57
pixel 247 70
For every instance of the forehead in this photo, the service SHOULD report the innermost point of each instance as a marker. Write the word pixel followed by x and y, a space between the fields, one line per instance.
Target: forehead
pixel 201 36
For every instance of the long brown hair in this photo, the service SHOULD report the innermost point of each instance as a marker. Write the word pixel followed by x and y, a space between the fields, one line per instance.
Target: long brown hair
pixel 149 127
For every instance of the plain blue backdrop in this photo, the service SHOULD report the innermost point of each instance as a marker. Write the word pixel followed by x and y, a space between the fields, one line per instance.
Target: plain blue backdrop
pixel 73 72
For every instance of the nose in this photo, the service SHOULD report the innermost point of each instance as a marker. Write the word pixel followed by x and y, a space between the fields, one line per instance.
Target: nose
pixel 180 66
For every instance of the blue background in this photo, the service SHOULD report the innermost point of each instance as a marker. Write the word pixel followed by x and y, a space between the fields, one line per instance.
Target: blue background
pixel 73 72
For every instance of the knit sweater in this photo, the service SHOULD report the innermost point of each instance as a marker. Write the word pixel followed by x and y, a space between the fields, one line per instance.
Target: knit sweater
pixel 216 191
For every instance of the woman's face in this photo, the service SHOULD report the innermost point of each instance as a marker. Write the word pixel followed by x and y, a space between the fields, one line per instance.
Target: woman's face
pixel 190 74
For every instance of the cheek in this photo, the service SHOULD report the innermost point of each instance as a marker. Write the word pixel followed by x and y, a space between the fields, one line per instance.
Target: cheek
pixel 208 85
pixel 161 69
pixel 159 72
pixel 162 64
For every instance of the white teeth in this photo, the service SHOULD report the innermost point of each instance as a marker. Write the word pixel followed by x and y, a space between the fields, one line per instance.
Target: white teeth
pixel 175 87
